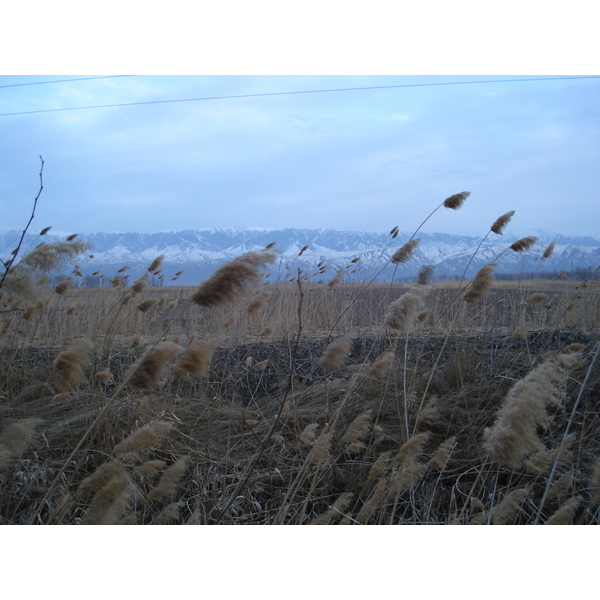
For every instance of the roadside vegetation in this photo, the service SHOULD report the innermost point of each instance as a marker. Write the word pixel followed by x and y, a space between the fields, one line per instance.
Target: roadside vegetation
pixel 245 401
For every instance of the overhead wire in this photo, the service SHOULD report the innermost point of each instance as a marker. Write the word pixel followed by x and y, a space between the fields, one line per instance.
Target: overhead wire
pixel 264 94
pixel 9 85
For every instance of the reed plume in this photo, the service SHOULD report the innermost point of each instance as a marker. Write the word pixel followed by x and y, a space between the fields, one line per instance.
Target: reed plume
pixel 156 263
pixel 168 514
pixel 150 468
pixel 140 285
pixel 403 312
pixel 147 371
pixel 68 365
pixel 104 376
pixel 320 452
pixel 481 284
pixel 412 448
pixel 102 475
pixel 169 479
pixel 334 512
pixel 501 222
pixel 548 251
pixel 537 298
pixel 146 305
pixel 425 275
pixel 194 360
pixel 456 201
pixel 382 365
pixel 257 303
pixel 440 458
pixel 144 438
pixel 29 313
pixel 405 252
pixel 523 410
pixel 358 428
pixel 523 244
pixel 379 466
pixel 335 352
pixel 64 286
pixel 111 502
pixel 336 279
pixel 232 278
pixel 505 511
pixel 309 433
pixel 565 512
pixel 15 439
pixel 372 503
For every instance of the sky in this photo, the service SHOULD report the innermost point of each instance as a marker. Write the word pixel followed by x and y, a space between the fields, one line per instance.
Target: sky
pixel 367 159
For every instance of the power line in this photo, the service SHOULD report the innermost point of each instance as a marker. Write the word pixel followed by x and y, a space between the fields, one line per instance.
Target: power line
pixel 62 80
pixel 354 89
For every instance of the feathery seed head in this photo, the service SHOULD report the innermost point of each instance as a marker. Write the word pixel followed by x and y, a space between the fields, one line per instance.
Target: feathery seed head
pixel 140 284
pixel 501 222
pixel 523 244
pixel 195 359
pixel 425 275
pixel 336 279
pixel 404 254
pixel 144 439
pixel 257 303
pixel 382 365
pixel 29 313
pixel 146 305
pixel 549 250
pixel 456 201
pixel 335 352
pixel 403 312
pixel 147 371
pixel 156 263
pixel 537 298
pixel 68 365
pixel 231 279
pixel 64 286
pixel 481 284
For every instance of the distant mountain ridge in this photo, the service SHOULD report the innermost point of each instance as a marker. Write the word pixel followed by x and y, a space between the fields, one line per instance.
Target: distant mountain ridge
pixel 198 252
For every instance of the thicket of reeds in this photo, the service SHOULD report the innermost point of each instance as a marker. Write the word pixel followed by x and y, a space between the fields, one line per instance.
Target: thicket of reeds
pixel 297 403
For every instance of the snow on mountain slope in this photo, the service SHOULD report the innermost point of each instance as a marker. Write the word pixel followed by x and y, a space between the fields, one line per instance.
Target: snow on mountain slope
pixel 199 252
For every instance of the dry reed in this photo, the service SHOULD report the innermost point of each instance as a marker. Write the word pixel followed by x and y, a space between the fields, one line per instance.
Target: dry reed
pixel 456 201
pixel 194 360
pixel 405 252
pixel 501 222
pixel 147 371
pixel 169 479
pixel 156 263
pixel 481 284
pixel 523 410
pixel 523 244
pixel 232 278
pixel 335 352
pixel 64 286
pixel 68 365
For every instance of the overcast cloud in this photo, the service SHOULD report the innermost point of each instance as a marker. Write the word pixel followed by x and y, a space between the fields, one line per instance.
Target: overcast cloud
pixel 356 160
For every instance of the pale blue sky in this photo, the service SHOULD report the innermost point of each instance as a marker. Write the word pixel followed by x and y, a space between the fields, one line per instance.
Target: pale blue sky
pixel 353 160
pixel 357 160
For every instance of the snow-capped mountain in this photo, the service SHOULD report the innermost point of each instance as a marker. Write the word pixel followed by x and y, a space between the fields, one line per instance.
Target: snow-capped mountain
pixel 199 252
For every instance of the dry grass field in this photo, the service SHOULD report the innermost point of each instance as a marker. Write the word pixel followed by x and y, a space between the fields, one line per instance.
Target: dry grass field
pixel 239 402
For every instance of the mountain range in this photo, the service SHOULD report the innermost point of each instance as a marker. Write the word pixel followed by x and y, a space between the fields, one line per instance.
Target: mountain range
pixel 199 252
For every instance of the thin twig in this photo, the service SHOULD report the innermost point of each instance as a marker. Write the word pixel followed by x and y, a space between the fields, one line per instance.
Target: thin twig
pixel 8 264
